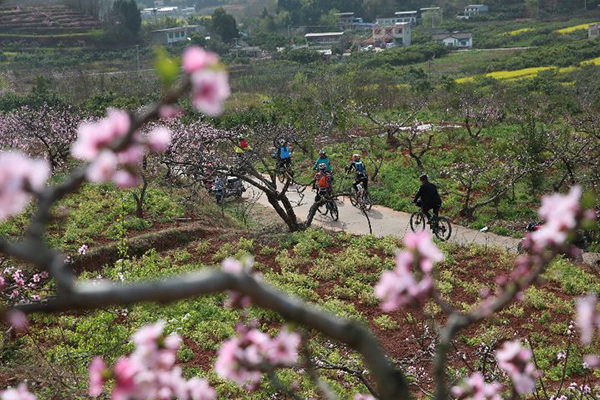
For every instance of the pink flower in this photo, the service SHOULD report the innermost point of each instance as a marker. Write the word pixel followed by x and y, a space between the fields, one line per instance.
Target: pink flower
pixel 133 155
pixel 97 372
pixel 36 278
pixel 210 90
pixel 200 390
pixel 124 179
pixel 14 294
pixel 83 249
pixel 422 243
pixel 21 393
pixel 592 361
pixel 149 335
pixel 195 58
pixel 560 213
pixel 2 282
pixel 35 297
pixel 103 168
pixel 283 349
pixel 363 397
pixel 159 139
pixel 168 112
pixel 587 317
pixel 20 282
pixel 125 371
pixel 93 137
pixel 17 320
pixel 475 388
pixel 19 175
pixel 515 360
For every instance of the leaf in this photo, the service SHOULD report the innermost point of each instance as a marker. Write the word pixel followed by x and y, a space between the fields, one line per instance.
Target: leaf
pixel 167 67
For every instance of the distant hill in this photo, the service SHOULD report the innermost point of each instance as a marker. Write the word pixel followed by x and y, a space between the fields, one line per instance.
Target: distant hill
pixel 47 19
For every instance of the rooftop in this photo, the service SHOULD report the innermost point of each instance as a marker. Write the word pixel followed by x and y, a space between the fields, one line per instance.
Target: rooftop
pixel 324 34
pixel 344 14
pixel 179 28
pixel 456 35
pixel 406 12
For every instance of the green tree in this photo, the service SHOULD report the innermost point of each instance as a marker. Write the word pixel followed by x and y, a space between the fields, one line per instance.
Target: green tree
pixel 127 17
pixel 224 25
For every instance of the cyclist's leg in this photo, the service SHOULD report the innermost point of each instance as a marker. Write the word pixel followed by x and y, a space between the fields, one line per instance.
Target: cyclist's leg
pixel 365 182
pixel 426 212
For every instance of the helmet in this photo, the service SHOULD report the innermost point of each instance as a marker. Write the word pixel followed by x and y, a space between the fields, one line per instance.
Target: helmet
pixel 424 178
pixel 322 167
pixel 282 141
pixel 356 157
pixel 322 152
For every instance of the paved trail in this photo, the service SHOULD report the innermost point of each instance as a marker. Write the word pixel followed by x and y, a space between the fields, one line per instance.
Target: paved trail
pixel 386 221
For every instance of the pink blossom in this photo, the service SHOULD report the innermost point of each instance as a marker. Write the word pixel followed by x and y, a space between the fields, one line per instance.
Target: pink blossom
pixel 587 317
pixel 15 293
pixel 93 137
pixel 21 393
pixel 515 360
pixel 125 371
pixel 422 243
pixel 363 397
pixel 19 175
pixel 195 58
pixel 200 390
pixel 35 297
pixel 125 179
pixel 168 112
pixel 133 155
pixel 210 90
pixel 97 372
pixel 17 320
pixel 102 168
pixel 2 282
pixel 474 387
pixel 592 361
pixel 83 249
pixel 159 139
pixel 36 278
pixel 149 335
pixel 560 213
pixel 44 275
pixel 228 364
pixel 283 349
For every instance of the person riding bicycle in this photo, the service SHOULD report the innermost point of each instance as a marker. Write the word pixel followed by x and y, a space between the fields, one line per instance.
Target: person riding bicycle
pixel 361 173
pixel 428 198
pixel 323 159
pixel 242 147
pixel 322 182
pixel 284 155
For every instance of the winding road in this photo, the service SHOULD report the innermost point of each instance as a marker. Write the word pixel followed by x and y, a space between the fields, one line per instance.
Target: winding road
pixel 386 222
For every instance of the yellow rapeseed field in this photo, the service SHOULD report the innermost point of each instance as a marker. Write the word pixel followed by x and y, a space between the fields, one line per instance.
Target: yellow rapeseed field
pixel 571 29
pixel 517 31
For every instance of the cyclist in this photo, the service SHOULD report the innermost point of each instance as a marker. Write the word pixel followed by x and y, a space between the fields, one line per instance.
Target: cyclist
pixel 322 182
pixel 428 198
pixel 284 155
pixel 242 147
pixel 361 173
pixel 323 159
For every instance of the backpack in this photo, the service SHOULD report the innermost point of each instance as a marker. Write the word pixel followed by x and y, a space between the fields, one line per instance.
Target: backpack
pixel 243 143
pixel 323 181
pixel 360 168
pixel 284 151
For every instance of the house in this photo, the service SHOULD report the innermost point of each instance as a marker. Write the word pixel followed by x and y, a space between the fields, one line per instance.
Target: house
pixel 347 20
pixel 154 12
pixel 174 35
pixel 242 49
pixel 476 9
pixel 407 16
pixel 594 31
pixel 458 40
pixel 389 36
pixel 325 41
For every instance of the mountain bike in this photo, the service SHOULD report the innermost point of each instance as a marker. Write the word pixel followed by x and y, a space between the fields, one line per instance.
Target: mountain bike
pixel 440 226
pixel 330 207
pixel 361 198
pixel 285 172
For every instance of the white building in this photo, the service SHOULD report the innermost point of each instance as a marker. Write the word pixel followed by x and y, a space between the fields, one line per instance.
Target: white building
pixel 174 35
pixel 476 9
pixel 407 16
pixel 457 40
pixel 398 35
pixel 325 40
pixel 594 31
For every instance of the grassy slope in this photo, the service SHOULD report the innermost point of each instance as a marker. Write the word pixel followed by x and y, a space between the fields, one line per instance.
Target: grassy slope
pixel 335 271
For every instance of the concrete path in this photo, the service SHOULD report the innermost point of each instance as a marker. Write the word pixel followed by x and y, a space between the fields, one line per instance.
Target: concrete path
pixel 386 222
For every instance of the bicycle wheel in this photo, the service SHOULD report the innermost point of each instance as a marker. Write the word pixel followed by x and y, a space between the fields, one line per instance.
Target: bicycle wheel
pixel 333 209
pixel 418 222
pixel 443 230
pixel 353 198
pixel 368 201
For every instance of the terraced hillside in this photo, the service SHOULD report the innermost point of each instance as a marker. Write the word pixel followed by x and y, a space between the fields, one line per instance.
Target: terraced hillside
pixel 47 20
